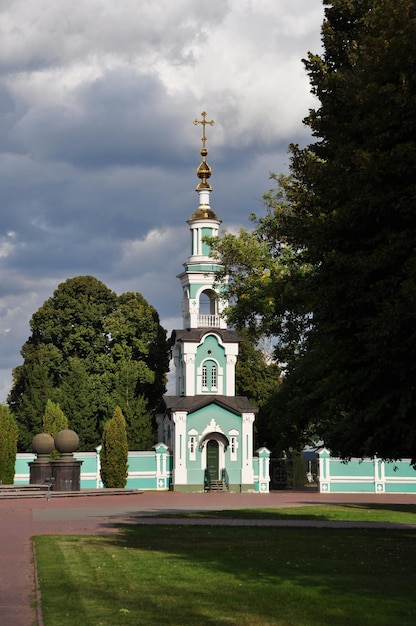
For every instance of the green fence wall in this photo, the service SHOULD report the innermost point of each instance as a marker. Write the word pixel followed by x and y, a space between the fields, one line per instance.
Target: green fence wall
pixel 364 475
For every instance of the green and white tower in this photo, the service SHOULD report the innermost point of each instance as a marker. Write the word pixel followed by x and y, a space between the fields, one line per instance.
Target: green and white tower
pixel 202 305
pixel 208 429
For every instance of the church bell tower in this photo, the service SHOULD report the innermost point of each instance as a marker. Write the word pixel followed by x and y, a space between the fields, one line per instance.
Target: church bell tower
pixel 207 428
pixel 205 352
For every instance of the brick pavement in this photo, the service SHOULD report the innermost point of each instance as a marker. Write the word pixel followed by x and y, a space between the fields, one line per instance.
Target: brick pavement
pixel 20 519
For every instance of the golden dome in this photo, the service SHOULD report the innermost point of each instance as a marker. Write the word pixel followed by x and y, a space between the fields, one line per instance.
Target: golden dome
pixel 204 213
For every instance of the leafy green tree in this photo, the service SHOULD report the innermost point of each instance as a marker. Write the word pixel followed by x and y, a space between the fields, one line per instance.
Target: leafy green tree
pixel 54 420
pixel 8 445
pixel 258 378
pixel 82 400
pixel 91 350
pixel 331 269
pixel 114 452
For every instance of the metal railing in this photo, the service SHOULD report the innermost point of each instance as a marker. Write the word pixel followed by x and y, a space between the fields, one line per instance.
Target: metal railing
pixel 207 480
pixel 225 479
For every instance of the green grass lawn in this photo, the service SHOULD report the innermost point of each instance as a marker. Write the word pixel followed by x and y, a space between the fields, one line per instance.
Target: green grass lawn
pixel 401 514
pixel 209 575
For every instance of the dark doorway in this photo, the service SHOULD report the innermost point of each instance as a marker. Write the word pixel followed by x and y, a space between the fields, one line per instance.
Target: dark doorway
pixel 213 458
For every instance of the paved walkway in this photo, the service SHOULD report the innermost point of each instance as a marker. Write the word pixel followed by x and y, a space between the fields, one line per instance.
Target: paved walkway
pixel 20 519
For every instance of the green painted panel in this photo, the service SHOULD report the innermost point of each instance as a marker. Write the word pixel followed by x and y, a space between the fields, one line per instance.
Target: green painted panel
pixel 225 419
pixel 409 487
pixel 210 348
pixel 142 463
pixel 352 468
pixel 21 465
pixel 399 469
pixel 142 482
pixel 88 483
pixel 234 475
pixel 196 477
pixel 206 232
pixel 352 487
pixel 89 463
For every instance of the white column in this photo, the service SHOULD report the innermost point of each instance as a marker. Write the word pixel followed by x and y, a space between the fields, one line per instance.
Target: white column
pixel 180 476
pixel 189 369
pixel 231 353
pixel 230 374
pixel 247 475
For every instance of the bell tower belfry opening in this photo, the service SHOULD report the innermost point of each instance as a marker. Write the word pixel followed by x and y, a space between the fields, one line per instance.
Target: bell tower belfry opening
pixel 208 429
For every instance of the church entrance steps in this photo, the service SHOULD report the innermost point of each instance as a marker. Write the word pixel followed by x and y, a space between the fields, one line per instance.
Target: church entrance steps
pixel 217 485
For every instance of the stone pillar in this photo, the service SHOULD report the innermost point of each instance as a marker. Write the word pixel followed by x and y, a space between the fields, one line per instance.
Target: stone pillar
pixel 162 476
pixel 40 473
pixel 40 469
pixel 263 455
pixel 66 470
pixel 66 474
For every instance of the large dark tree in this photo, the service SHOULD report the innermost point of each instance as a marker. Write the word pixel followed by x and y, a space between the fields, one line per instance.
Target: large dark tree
pixel 258 378
pixel 331 268
pixel 91 351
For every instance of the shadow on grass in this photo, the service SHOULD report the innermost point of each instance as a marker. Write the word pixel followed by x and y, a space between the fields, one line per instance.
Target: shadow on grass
pixel 250 576
pixel 334 576
pixel 396 513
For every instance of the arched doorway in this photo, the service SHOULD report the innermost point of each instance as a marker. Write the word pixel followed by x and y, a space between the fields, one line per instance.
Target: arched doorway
pixel 213 458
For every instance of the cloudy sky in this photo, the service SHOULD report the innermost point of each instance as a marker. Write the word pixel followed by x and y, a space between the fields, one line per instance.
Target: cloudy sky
pixel 97 146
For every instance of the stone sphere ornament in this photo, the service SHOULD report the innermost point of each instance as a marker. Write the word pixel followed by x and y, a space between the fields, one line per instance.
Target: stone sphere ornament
pixel 43 444
pixel 66 441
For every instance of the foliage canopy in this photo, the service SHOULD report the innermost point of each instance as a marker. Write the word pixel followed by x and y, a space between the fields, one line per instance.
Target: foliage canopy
pixel 330 270
pixel 91 350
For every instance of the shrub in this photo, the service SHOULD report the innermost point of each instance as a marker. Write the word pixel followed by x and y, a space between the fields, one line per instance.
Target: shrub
pixel 114 452
pixel 8 445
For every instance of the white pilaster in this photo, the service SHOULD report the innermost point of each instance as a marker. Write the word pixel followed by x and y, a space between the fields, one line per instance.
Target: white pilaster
pixel 247 475
pixel 179 469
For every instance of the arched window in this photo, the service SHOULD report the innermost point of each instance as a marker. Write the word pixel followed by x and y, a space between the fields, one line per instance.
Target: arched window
pixel 204 378
pixel 209 377
pixel 208 309
pixel 207 302
pixel 214 378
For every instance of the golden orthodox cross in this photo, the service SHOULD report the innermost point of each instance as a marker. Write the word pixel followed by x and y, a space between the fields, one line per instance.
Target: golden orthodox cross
pixel 204 122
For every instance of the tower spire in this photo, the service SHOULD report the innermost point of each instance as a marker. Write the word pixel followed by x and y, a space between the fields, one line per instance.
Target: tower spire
pixel 204 171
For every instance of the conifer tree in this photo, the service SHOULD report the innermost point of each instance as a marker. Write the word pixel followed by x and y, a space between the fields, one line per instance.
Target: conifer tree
pixel 8 445
pixel 114 452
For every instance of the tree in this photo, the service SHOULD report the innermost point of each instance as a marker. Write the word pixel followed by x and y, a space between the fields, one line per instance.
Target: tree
pixel 259 380
pixel 54 420
pixel 114 452
pixel 331 269
pixel 8 445
pixel 91 350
